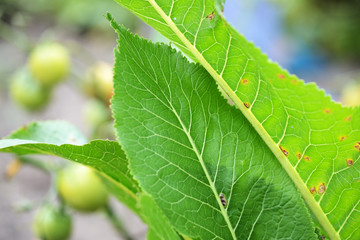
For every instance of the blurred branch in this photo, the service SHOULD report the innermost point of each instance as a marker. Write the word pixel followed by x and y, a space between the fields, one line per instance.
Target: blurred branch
pixel 15 37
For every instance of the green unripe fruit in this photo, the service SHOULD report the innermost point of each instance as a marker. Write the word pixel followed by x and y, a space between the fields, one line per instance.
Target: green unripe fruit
pixel 99 81
pixel 49 63
pixel 27 92
pixel 81 188
pixel 95 112
pixel 52 224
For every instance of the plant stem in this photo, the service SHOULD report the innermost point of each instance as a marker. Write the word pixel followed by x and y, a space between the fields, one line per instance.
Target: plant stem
pixel 116 222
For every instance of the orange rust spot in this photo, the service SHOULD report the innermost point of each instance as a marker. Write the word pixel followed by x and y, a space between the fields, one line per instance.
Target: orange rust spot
pixel 298 155
pixel 281 76
pixel 327 110
pixel 285 152
pixel 312 190
pixel 244 81
pixel 294 81
pixel 247 104
pixel 342 138
pixel 322 188
pixel 349 162
pixel 307 158
pixel 211 15
pixel 348 118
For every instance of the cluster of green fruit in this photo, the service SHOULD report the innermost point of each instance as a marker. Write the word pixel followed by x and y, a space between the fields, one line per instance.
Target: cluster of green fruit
pixel 31 86
pixel 98 85
pixel 48 64
pixel 80 188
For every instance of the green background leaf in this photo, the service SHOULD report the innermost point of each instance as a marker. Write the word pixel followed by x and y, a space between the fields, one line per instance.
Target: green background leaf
pixel 54 138
pixel 186 146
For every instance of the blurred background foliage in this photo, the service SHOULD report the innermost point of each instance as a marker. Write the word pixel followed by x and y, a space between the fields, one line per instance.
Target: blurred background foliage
pixel 318 40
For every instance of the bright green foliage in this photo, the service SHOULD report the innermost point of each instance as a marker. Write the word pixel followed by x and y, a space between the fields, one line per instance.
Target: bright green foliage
pixel 186 146
pixel 314 138
pixel 217 171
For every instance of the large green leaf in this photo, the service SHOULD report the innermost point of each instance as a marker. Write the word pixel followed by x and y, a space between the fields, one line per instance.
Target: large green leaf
pixel 191 151
pixel 315 140
pixel 58 138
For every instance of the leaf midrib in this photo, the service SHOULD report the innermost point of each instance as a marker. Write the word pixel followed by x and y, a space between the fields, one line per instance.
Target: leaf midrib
pixel 293 174
pixel 211 183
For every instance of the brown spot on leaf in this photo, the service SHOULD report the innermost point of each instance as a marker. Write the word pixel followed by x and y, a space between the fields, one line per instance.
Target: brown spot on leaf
pixel 357 146
pixel 294 81
pixel 322 188
pixel 298 155
pixel 349 162
pixel 327 110
pixel 244 81
pixel 285 152
pixel 307 158
pixel 348 118
pixel 247 104
pixel 281 76
pixel 211 15
pixel 312 190
pixel 342 138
